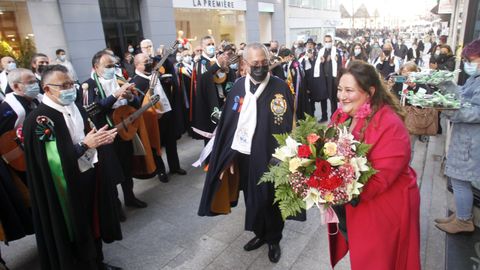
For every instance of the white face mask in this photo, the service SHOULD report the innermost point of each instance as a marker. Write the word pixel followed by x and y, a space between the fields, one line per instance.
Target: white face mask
pixel 328 45
pixel 210 51
pixel 187 59
pixel 179 58
pixel 11 66
pixel 357 52
pixel 62 57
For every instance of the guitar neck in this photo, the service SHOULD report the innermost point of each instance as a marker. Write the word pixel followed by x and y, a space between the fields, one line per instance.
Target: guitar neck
pixel 134 116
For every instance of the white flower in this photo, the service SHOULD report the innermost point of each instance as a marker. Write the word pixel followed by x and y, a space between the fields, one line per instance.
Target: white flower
pixel 336 160
pixel 287 151
pixel 353 189
pixel 359 164
pixel 345 134
pixel 296 162
pixel 330 149
pixel 313 198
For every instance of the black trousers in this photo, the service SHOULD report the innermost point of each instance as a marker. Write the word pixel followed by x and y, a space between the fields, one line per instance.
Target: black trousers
pixel 267 221
pixel 323 107
pixel 124 151
pixel 332 89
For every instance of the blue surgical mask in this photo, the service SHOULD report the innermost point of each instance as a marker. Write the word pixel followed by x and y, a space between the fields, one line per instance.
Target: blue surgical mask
pixel 32 90
pixel 187 59
pixel 234 66
pixel 131 50
pixel 357 52
pixel 109 73
pixel 67 96
pixel 210 51
pixel 470 68
pixel 11 66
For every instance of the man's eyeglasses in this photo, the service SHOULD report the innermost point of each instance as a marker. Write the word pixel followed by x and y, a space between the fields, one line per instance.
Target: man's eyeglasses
pixel 63 86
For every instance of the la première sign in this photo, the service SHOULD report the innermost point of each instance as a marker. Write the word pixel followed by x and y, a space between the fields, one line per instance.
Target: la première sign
pixel 211 4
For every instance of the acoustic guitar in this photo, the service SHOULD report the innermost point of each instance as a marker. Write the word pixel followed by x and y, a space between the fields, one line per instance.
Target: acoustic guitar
pixel 221 75
pixel 124 117
pixel 11 150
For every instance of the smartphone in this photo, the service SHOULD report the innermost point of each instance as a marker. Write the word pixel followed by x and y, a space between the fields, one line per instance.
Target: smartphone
pixel 399 79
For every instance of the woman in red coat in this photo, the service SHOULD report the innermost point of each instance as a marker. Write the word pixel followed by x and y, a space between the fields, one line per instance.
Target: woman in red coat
pixel 383 229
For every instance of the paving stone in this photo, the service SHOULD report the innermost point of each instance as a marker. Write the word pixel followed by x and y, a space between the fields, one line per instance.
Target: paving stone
pixel 199 255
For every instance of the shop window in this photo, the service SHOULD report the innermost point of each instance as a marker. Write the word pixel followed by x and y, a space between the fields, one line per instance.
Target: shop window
pixel 228 25
pixel 121 24
pixel 16 34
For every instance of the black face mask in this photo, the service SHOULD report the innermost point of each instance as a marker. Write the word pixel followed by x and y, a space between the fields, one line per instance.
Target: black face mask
pixel 148 67
pixel 387 52
pixel 41 68
pixel 259 73
pixel 274 50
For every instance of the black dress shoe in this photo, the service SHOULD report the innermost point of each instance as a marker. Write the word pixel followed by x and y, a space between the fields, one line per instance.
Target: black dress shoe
pixel 274 252
pixel 110 267
pixel 324 119
pixel 254 244
pixel 135 203
pixel 180 171
pixel 163 177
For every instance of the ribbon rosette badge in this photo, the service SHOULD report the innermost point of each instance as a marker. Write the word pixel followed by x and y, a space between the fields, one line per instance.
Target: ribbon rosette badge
pixel 44 128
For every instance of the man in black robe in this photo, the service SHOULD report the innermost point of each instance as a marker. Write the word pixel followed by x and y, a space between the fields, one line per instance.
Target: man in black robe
pixel 295 79
pixel 104 90
pixel 208 95
pixel 71 202
pixel 15 217
pixel 142 78
pixel 269 111
pixel 38 63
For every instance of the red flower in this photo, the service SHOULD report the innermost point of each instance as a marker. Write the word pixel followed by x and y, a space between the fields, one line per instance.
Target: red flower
pixel 304 151
pixel 312 138
pixel 313 182
pixel 330 183
pixel 323 168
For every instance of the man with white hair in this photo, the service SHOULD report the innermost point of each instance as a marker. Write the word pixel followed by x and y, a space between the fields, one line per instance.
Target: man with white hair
pixel 15 217
pixel 146 46
pixel 8 64
pixel 258 106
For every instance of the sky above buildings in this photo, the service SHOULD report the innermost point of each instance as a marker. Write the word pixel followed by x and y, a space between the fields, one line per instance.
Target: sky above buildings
pixel 392 7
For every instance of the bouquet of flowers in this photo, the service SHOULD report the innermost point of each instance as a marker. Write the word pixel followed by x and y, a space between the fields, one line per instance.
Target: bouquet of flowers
pixel 318 166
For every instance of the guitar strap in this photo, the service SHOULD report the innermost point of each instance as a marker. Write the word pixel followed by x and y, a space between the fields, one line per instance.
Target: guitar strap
pixel 102 95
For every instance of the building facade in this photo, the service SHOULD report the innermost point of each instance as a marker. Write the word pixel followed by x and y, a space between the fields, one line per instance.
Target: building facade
pixel 83 27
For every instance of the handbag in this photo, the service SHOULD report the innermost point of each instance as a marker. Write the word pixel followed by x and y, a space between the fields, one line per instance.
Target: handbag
pixel 421 121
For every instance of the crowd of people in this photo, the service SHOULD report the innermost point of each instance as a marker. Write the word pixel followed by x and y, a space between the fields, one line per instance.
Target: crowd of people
pixel 73 142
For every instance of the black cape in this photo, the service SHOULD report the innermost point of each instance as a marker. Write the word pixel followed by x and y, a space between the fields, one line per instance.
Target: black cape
pixel 260 197
pixel 15 214
pixel 87 192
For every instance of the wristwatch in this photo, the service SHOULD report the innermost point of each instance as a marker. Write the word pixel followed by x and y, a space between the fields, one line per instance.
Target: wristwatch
pixel 83 146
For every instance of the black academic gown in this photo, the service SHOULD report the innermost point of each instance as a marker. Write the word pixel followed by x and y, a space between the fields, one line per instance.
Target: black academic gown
pixel 15 214
pixel 206 97
pixel 114 167
pixel 260 210
pixel 299 85
pixel 88 193
pixel 185 86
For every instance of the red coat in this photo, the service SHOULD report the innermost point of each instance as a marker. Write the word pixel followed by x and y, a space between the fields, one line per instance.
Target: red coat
pixel 384 228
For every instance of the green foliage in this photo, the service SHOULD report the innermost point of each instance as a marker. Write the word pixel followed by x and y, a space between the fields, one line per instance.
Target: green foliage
pixel 305 127
pixel 331 133
pixel 23 56
pixel 366 175
pixel 288 202
pixel 281 138
pixel 277 175
pixel 362 149
pixel 27 50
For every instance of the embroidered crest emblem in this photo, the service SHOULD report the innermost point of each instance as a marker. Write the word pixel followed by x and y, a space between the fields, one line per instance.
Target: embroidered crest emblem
pixel 278 107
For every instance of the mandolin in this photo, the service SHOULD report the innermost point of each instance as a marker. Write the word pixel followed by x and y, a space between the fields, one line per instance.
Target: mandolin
pixel 125 118
pixel 221 75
